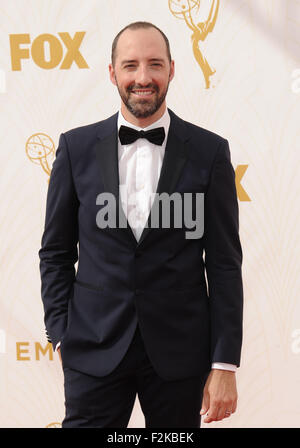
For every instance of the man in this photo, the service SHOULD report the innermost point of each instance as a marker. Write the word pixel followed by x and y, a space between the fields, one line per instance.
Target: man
pixel 136 317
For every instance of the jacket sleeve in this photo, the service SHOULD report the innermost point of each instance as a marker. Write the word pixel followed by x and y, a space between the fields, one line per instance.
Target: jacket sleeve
pixel 58 253
pixel 223 260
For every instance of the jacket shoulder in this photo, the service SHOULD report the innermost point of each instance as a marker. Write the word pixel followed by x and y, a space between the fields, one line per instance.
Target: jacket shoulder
pixel 89 132
pixel 204 145
pixel 196 132
pixel 205 134
pixel 82 130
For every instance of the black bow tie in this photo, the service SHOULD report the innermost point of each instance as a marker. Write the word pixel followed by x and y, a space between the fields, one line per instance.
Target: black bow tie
pixel 128 135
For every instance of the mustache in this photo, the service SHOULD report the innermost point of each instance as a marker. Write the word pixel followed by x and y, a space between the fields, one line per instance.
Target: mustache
pixel 137 86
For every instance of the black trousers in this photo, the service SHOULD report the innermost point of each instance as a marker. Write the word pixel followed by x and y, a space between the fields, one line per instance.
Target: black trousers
pixel 107 402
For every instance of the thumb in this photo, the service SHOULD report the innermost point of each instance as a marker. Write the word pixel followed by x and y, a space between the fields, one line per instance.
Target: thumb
pixel 205 403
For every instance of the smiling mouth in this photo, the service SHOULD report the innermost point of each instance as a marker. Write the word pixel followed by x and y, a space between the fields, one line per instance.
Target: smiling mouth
pixel 143 93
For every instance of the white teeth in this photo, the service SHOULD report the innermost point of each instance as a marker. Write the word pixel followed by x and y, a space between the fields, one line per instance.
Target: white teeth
pixel 143 93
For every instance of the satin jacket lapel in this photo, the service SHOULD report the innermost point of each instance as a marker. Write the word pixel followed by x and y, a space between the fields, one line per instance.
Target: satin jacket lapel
pixel 172 166
pixel 107 157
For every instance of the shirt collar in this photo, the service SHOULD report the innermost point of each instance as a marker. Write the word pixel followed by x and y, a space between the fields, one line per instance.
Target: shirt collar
pixel 164 122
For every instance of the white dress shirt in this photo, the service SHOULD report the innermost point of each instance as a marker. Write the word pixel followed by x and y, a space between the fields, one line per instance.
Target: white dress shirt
pixel 139 170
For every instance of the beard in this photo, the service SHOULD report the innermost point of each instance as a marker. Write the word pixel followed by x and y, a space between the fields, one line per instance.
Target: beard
pixel 142 107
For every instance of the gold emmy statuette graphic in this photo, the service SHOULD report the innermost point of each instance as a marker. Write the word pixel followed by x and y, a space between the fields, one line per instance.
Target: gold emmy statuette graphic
pixel 40 150
pixel 186 9
pixel 53 425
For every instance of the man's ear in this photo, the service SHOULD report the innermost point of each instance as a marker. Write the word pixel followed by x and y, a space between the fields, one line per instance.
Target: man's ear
pixel 112 74
pixel 172 71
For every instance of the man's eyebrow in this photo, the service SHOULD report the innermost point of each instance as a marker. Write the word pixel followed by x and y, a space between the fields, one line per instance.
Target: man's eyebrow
pixel 130 61
pixel 156 59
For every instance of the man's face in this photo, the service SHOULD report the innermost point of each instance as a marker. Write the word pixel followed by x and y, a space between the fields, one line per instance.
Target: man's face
pixel 142 72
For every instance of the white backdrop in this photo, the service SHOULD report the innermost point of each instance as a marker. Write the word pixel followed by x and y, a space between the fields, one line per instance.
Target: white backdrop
pixel 252 100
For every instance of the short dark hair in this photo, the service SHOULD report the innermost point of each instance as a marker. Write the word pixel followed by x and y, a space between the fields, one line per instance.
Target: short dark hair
pixel 137 26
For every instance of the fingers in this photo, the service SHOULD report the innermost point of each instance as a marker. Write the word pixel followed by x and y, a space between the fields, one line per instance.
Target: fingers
pixel 222 413
pixel 226 409
pixel 212 412
pixel 219 410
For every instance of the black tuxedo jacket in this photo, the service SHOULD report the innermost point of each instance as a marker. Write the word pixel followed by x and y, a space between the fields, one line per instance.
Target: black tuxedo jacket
pixel 185 294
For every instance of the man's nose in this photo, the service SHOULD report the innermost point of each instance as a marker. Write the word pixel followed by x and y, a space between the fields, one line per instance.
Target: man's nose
pixel 143 76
